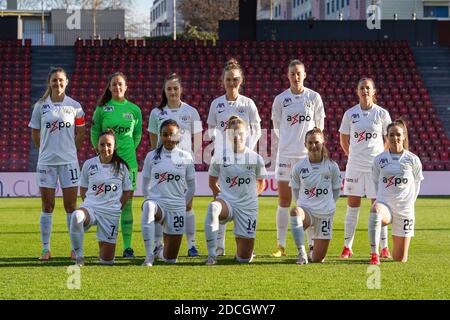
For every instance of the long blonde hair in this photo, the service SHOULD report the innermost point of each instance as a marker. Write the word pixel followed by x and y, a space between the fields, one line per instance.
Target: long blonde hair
pixel 48 91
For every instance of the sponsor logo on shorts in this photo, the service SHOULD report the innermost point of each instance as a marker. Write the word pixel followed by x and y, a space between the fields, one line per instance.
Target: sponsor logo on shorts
pixel 394 181
pixel 364 136
pixel 354 180
pixel 284 165
pixel 237 181
pixel 42 171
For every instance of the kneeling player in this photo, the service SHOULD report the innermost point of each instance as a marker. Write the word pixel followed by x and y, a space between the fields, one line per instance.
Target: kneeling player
pixel 105 187
pixel 168 185
pixel 397 174
pixel 236 180
pixel 316 184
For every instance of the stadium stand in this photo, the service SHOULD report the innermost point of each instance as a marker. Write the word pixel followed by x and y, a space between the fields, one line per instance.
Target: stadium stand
pixel 333 69
pixel 15 74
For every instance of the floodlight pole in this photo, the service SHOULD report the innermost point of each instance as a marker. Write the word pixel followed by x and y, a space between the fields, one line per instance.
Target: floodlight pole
pixel 174 4
pixel 42 24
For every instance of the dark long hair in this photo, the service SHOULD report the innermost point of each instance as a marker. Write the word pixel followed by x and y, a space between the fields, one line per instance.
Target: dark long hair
pixel 116 159
pixel 166 123
pixel 48 91
pixel 107 95
pixel 402 124
pixel 172 76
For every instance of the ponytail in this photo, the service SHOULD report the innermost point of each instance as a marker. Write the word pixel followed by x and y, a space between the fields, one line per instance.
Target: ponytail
pixel 401 122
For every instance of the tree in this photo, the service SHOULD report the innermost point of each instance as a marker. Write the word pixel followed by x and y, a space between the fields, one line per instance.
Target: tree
pixel 205 14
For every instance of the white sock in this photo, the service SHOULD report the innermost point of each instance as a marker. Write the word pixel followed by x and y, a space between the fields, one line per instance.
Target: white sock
pixel 242 260
pixel 163 259
pixel 46 229
pixel 351 220
pixel 374 231
pixel 212 226
pixel 106 262
pixel 68 220
pixel 190 228
pixel 221 236
pixel 384 241
pixel 297 232
pixel 309 233
pixel 148 226
pixel 77 232
pixel 282 225
pixel 158 234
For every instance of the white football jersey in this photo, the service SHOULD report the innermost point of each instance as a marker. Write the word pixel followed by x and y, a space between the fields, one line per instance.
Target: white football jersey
pixel 396 177
pixel 187 118
pixel 366 130
pixel 221 110
pixel 168 174
pixel 57 122
pixel 316 184
pixel 105 186
pixel 237 177
pixel 295 115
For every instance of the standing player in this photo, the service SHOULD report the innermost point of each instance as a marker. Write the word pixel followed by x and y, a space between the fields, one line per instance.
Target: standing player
pixel 316 184
pixel 362 132
pixel 397 174
pixel 105 187
pixel 57 130
pixel 187 117
pixel 221 109
pixel 116 112
pixel 295 111
pixel 168 185
pixel 236 181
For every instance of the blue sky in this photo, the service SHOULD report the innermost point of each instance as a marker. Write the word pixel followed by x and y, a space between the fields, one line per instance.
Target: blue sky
pixel 143 6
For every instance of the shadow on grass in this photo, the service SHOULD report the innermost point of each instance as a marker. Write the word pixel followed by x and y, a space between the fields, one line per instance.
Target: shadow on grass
pixel 18 262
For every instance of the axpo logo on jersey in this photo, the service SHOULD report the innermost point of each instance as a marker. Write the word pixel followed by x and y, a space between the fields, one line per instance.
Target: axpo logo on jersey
pixel 102 188
pixel 236 181
pixel 57 125
pixel 364 136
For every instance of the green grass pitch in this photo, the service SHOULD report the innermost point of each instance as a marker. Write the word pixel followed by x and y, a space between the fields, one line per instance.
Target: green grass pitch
pixel 22 276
